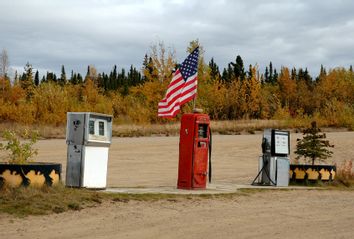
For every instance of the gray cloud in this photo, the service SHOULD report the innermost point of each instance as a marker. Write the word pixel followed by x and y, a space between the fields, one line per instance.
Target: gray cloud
pixel 106 32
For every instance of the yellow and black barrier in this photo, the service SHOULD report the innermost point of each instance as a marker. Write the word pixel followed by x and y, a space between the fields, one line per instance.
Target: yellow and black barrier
pixel 33 174
pixel 312 172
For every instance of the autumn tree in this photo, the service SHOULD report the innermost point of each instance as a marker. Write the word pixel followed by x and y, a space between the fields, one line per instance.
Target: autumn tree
pixel 201 64
pixel 163 61
pixel 91 74
pixel 250 90
pixel 287 88
pixel 254 93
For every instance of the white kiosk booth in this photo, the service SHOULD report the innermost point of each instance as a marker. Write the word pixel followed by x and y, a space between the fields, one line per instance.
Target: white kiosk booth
pixel 88 136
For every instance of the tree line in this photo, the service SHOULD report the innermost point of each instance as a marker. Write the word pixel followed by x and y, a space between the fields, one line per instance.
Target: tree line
pixel 235 92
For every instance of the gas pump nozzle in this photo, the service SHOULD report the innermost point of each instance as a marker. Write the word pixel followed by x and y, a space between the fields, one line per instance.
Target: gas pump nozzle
pixel 266 148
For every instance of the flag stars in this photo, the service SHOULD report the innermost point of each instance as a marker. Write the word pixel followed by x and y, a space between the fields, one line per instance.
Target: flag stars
pixel 190 65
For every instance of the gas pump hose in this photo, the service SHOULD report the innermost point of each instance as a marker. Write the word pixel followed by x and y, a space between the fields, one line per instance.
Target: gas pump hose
pixel 264 169
pixel 210 146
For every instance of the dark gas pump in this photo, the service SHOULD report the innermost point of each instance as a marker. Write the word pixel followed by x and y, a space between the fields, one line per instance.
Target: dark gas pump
pixel 194 152
pixel 274 163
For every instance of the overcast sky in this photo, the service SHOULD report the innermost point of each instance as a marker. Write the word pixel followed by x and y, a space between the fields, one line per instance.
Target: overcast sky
pixel 76 33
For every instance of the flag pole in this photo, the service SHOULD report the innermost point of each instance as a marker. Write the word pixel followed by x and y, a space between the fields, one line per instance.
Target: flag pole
pixel 194 100
pixel 195 110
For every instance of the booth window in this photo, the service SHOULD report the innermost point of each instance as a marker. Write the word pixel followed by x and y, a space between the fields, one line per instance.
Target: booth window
pixel 92 127
pixel 101 128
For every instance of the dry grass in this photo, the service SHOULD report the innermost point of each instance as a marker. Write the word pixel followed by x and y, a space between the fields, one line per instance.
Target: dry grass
pixel 345 173
pixel 227 127
pixel 145 130
pixel 44 131
pixel 218 127
pixel 244 126
pixel 131 130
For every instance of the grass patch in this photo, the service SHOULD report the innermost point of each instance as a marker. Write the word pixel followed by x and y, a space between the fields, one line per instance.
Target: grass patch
pixel 26 201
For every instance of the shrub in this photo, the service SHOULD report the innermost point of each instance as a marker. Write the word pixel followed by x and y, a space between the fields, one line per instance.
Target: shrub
pixel 19 153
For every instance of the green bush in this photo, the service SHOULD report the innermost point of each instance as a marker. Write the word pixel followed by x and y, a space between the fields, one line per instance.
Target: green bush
pixel 19 153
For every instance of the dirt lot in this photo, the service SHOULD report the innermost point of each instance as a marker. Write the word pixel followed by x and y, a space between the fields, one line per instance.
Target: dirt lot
pixel 152 161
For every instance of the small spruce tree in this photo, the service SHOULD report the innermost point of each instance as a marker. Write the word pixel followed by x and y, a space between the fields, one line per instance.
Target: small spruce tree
pixel 313 145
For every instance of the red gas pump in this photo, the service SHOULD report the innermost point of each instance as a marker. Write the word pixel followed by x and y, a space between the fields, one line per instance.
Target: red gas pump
pixel 194 149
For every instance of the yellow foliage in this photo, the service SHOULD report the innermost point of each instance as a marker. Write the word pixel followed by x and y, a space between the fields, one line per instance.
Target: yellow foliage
pixel 329 101
pixel 287 88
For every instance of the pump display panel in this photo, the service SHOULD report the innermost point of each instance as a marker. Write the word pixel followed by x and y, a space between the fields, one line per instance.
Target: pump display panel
pixel 280 143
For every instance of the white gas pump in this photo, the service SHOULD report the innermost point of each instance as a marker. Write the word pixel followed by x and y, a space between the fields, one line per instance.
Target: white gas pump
pixel 88 136
pixel 274 163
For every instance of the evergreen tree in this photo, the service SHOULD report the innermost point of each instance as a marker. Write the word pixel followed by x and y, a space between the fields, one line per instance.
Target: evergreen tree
pixel 123 83
pixel 113 78
pixel 239 70
pixel 131 78
pixel 307 77
pixel 27 80
pixel 150 72
pixel 214 71
pixel 87 73
pixel 313 145
pixel 225 76
pixel 121 79
pixel 293 74
pixel 134 77
pixel 146 69
pixel 62 79
pixel 270 80
pixel 73 79
pixel 51 77
pixel 79 78
pixel 36 78
pixel 266 75
pixel 250 71
pixel 275 76
pixel 351 68
pixel 100 80
pixel 106 82
pixel 322 74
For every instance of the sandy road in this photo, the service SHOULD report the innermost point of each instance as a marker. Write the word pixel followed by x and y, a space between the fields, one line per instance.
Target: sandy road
pixel 152 161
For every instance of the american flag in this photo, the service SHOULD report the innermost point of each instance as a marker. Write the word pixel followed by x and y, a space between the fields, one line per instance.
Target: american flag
pixel 182 88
